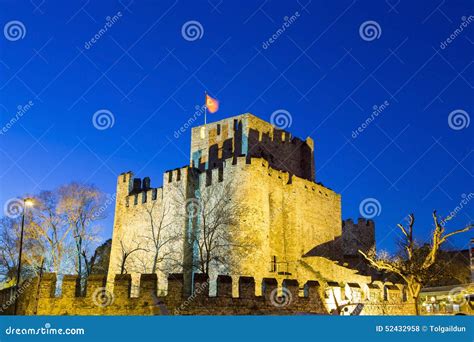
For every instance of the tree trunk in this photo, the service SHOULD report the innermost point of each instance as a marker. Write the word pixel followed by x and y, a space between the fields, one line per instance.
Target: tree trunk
pixel 414 289
pixel 155 261
pixel 122 267
pixel 79 265
pixel 416 297
pixel 415 305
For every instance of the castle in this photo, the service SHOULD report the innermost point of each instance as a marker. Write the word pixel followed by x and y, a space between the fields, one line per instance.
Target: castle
pixel 243 229
pixel 292 224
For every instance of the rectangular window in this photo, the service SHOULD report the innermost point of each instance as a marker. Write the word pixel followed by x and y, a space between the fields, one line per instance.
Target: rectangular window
pixel 218 129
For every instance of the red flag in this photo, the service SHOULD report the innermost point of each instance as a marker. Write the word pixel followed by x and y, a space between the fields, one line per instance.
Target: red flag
pixel 212 104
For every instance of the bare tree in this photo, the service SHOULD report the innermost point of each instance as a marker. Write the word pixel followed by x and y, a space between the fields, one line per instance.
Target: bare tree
pixel 81 205
pixel 34 252
pixel 47 239
pixel 50 228
pixel 125 253
pixel 214 238
pixel 160 235
pixel 414 263
pixel 9 250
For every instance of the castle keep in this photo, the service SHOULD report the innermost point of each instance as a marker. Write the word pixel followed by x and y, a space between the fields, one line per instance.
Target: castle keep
pixel 291 225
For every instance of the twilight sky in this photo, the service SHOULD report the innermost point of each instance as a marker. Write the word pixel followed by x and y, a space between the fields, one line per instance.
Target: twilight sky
pixel 323 64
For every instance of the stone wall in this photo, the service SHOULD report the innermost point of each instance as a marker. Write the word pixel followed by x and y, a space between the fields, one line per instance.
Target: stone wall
pixel 26 295
pixel 291 225
pixel 289 215
pixel 357 236
pixel 140 212
pixel 277 298
pixel 99 301
pixel 248 135
pixel 282 218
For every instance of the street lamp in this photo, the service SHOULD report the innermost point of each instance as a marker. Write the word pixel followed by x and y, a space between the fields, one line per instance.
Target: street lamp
pixel 27 202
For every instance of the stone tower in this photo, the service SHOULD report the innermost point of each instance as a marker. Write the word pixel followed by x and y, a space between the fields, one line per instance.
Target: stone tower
pixel 246 135
pixel 287 214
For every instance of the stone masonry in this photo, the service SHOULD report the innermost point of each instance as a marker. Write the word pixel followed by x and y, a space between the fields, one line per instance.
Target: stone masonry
pixel 293 223
pixel 311 297
pixel 300 247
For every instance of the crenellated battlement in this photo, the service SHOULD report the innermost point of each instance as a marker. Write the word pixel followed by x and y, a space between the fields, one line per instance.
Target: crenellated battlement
pixel 138 191
pixel 361 222
pixel 287 297
pixel 178 174
pixel 136 188
pixel 264 131
pixel 141 190
pixel 247 135
pixel 357 236
pixel 98 300
pixel 288 179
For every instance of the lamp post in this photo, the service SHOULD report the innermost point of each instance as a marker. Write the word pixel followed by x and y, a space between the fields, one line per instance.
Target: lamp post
pixel 27 202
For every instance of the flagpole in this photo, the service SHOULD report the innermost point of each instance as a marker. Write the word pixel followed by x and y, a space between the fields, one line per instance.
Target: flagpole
pixel 205 107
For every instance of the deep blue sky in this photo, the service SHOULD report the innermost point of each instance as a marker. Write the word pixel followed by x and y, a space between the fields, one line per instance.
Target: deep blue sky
pixel 320 70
